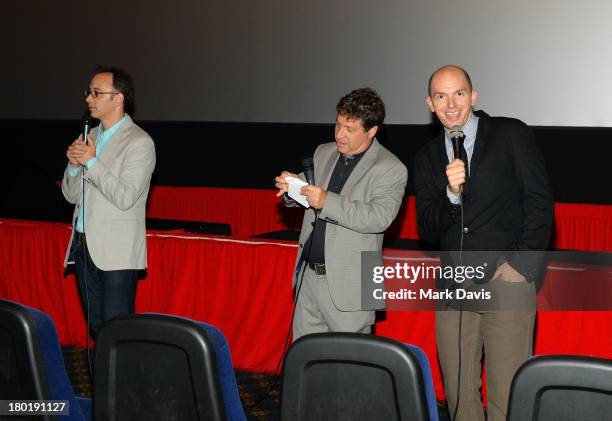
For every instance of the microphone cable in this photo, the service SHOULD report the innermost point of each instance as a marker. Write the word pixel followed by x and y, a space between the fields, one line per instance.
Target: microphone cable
pixel 87 304
pixel 86 126
pixel 308 166
pixel 276 374
pixel 456 133
pixel 454 417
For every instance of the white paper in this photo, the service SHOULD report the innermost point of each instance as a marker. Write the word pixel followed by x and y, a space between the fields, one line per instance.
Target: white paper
pixel 295 184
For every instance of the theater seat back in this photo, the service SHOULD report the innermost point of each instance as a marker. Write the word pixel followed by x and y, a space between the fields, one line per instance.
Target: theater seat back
pixel 562 388
pixel 162 367
pixel 31 362
pixel 344 376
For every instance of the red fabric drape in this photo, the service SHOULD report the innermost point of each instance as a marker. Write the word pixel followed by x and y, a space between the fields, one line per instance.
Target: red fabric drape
pixel 583 227
pixel 32 273
pixel 250 212
pixel 241 286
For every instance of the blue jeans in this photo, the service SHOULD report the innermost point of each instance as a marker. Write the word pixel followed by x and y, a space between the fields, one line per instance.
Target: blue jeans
pixel 104 294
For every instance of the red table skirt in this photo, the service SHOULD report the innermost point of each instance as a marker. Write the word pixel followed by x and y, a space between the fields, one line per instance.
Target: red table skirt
pixel 241 286
pixel 250 212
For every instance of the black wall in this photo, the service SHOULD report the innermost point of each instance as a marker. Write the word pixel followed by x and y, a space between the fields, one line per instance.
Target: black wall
pixel 250 155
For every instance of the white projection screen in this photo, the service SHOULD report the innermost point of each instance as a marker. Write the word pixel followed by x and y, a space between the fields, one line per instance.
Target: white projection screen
pixel 547 62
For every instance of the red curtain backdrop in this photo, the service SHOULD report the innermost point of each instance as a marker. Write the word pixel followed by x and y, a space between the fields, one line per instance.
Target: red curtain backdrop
pixel 248 211
pixel 583 227
pixel 251 212
pixel 241 286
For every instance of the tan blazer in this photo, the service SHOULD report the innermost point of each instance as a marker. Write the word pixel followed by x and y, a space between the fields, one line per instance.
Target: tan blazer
pixel 116 189
pixel 356 218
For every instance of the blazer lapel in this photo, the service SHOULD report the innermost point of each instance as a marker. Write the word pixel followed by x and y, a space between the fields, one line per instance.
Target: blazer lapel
pixel 366 162
pixel 443 154
pixel 482 135
pixel 113 147
pixel 326 171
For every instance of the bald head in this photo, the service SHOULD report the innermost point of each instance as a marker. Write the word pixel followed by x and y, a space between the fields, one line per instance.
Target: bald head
pixel 450 68
pixel 451 96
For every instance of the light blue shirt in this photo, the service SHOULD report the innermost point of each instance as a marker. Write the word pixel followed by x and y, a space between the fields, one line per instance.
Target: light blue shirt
pixel 102 140
pixel 469 131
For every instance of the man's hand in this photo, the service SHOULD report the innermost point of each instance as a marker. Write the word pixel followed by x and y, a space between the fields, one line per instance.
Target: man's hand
pixel 281 184
pixel 508 273
pixel 81 152
pixel 455 173
pixel 315 195
pixel 72 155
pixel 89 150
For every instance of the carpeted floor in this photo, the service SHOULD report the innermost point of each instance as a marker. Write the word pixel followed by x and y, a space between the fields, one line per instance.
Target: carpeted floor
pixel 250 385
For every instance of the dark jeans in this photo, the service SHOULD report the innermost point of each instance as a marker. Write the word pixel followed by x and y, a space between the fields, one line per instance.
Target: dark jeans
pixel 104 294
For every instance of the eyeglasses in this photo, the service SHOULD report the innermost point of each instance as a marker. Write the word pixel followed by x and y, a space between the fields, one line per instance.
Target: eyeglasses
pixel 95 94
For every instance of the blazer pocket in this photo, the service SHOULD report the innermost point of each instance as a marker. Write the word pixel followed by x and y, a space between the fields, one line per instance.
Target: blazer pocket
pixel 123 224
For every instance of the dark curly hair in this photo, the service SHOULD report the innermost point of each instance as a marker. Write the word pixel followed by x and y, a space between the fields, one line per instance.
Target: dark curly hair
pixel 122 82
pixel 364 104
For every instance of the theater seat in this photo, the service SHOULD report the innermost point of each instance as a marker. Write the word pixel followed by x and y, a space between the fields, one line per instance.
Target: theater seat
pixel 346 376
pixel 562 388
pixel 31 362
pixel 162 367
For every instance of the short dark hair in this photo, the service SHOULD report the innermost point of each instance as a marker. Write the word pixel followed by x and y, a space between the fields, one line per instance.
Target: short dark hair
pixel 465 73
pixel 365 104
pixel 122 82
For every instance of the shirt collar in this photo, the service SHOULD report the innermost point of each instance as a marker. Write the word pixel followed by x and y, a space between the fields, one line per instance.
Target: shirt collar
pixel 359 155
pixel 111 130
pixel 469 130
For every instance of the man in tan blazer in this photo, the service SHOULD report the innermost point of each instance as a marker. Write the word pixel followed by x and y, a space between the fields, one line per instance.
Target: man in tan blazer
pixel 357 193
pixel 113 169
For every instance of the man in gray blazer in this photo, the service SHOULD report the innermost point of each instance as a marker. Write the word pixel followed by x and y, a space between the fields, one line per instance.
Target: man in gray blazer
pixel 357 193
pixel 108 179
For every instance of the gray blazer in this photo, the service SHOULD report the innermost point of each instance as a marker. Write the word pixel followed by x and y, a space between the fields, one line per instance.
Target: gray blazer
pixel 356 218
pixel 116 189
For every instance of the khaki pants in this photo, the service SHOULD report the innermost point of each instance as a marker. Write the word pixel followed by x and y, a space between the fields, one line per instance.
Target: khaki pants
pixel 506 336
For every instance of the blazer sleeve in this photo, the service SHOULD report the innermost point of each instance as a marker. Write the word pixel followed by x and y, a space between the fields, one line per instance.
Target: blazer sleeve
pixel 123 189
pixel 435 212
pixel 373 216
pixel 537 202
pixel 71 186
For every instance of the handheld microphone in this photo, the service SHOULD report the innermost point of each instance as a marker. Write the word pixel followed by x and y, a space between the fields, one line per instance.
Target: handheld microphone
pixel 308 165
pixel 86 127
pixel 455 134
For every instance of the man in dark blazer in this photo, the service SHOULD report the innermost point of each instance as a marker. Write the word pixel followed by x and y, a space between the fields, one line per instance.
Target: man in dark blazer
pixel 358 190
pixel 492 208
